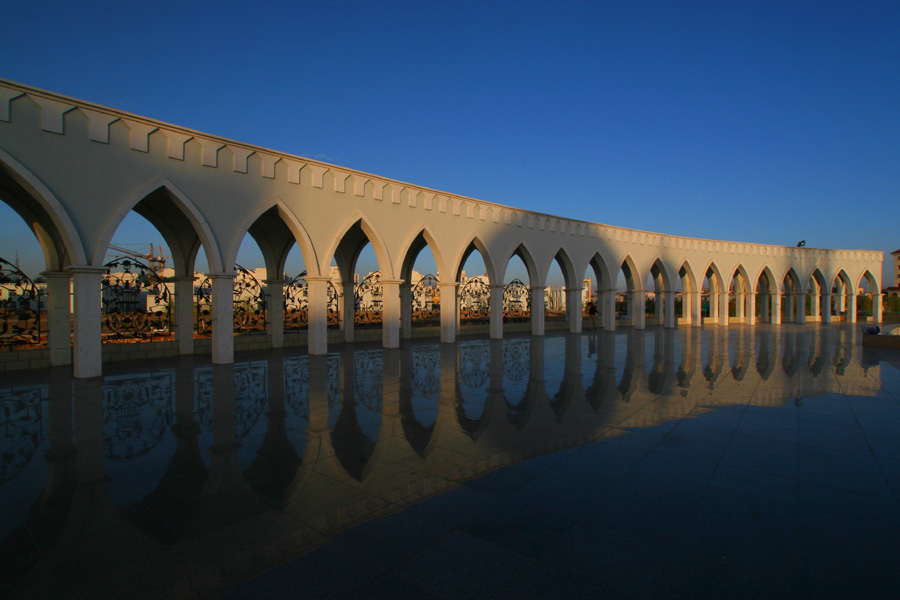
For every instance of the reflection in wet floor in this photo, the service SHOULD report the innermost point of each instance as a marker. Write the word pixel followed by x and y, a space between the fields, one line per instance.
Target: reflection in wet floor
pixel 181 478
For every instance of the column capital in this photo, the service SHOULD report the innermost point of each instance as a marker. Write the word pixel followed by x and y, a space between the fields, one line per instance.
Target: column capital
pixel 190 278
pixel 55 274
pixel 275 281
pixel 86 269
pixel 221 276
pixel 574 289
pixel 309 278
pixel 609 290
pixel 448 284
pixel 391 281
pixel 497 286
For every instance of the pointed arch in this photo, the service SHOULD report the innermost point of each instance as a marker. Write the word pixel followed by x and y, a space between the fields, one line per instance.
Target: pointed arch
pixel 632 274
pixel 521 250
pixel 474 243
pixel 686 272
pixel 600 267
pixel 414 245
pixel 290 220
pixel 54 229
pixel 166 191
pixel 718 281
pixel 660 267
pixel 765 273
pixel 870 279
pixel 378 245
pixel 740 273
pixel 570 276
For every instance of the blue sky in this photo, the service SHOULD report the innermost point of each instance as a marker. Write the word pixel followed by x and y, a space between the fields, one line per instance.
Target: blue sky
pixel 763 122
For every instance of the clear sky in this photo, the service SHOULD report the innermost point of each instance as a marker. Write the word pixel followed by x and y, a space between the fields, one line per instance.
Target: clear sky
pixel 756 121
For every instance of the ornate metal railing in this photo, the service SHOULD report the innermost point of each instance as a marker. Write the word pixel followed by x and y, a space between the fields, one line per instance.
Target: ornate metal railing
pixel 516 301
pixel 20 308
pixel 474 301
pixel 137 412
pixel 249 304
pixel 369 300
pixel 426 301
pixel 22 427
pixel 296 304
pixel 135 302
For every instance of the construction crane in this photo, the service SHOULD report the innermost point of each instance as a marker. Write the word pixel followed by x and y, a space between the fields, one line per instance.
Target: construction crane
pixel 156 262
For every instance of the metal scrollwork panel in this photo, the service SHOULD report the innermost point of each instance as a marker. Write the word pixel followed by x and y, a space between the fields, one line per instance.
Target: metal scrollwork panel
pixel 367 382
pixel 474 301
pixel 21 428
pixel 516 300
pixel 296 304
pixel 426 301
pixel 296 384
pixel 135 301
pixel 249 300
pixel 137 413
pixel 369 300
pixel 20 309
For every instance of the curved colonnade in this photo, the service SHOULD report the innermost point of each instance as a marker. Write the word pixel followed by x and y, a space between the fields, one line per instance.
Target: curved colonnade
pixel 73 170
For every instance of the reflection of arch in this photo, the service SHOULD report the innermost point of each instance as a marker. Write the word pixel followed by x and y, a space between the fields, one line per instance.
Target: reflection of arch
pixel 517 376
pixel 420 378
pixel 177 218
pixel 45 215
pixel 473 387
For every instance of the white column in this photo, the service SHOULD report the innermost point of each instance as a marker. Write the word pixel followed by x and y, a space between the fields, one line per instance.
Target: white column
pixel 723 308
pixel 877 308
pixel 696 309
pixel 851 306
pixel 670 308
pixel 275 311
pixel 317 325
pixel 406 310
pixel 686 312
pixel 449 312
pixel 739 307
pixel 348 310
pixel 639 302
pixel 183 305
pixel 222 318
pixel 776 308
pixel 574 309
pixel 815 305
pixel 750 308
pixel 87 351
pixel 390 313
pixel 826 307
pixel 59 316
pixel 789 313
pixel 608 309
pixel 800 311
pixel 537 310
pixel 497 312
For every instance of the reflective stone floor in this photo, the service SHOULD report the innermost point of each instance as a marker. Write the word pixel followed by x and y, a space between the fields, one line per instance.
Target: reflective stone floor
pixel 691 463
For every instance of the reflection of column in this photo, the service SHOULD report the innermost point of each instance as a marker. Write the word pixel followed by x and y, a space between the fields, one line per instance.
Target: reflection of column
pixel 877 308
pixel 406 310
pixel 390 315
pixel 449 312
pixel 275 311
pixel 826 307
pixel 59 318
pixel 608 309
pixel 317 319
pixel 639 302
pixel 224 468
pixel 537 310
pixel 800 315
pixel 696 309
pixel 750 308
pixel 574 309
pixel 669 301
pixel 184 314
pixel 348 310
pixel 222 317
pixel 722 299
pixel 497 312
pixel 87 351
